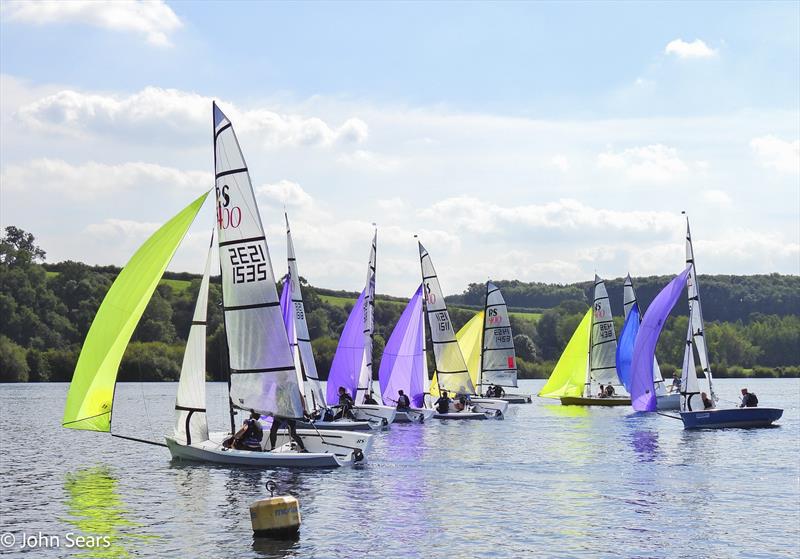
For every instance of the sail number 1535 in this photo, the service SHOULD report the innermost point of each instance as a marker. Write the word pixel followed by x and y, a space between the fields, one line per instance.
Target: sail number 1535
pixel 248 263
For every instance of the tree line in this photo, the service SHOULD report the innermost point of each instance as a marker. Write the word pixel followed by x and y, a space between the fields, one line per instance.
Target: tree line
pixel 47 310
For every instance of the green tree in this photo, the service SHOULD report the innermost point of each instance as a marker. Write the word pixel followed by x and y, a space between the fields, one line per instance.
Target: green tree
pixel 13 363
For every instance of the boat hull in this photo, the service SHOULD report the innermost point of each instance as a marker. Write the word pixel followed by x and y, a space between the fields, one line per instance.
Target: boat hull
pixel 340 425
pixel 413 415
pixel 581 401
pixel 484 405
pixel 516 398
pixel 461 415
pixel 668 402
pixel 375 413
pixel 733 417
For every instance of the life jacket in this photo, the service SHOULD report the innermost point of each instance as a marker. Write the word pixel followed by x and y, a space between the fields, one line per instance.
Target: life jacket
pixel 254 434
pixel 403 402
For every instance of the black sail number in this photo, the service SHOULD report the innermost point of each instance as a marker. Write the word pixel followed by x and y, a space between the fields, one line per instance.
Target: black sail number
pixel 248 263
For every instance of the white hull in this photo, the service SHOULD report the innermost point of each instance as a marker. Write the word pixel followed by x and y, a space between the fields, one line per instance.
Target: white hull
pixel 461 415
pixel 373 412
pixel 414 415
pixel 341 425
pixel 330 449
pixel 483 405
pixel 668 402
pixel 516 398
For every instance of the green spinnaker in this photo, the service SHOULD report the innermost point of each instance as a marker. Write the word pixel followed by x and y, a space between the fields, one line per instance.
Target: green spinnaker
pixel 469 341
pixel 91 392
pixel 569 375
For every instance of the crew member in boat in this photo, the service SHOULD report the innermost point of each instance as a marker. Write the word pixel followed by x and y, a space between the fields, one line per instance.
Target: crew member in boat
pixel 676 383
pixel 707 402
pixel 610 392
pixel 291 426
pixel 602 393
pixel 345 403
pixel 443 403
pixel 403 403
pixel 370 400
pixel 250 435
pixel 749 400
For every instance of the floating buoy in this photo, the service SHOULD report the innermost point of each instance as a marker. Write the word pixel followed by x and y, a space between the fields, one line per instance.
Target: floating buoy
pixel 275 517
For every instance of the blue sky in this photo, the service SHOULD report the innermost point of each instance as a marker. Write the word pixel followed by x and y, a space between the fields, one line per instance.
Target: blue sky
pixel 537 141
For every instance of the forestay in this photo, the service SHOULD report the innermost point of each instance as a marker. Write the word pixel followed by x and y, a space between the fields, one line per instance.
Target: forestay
pixel 403 362
pixel 451 370
pixel 643 394
pixel 315 398
pixel 191 423
pixel 498 358
pixel 91 392
pixel 603 348
pixel 262 369
pixel 568 376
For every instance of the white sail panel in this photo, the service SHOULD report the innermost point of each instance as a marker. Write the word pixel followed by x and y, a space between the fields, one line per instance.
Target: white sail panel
pixel 628 295
pixel 191 423
pixel 451 369
pixel 603 347
pixel 690 387
pixel 262 368
pixel 498 358
pixel 365 376
pixel 696 314
pixel 315 397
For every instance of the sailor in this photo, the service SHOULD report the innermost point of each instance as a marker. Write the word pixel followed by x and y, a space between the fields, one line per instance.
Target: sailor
pixel 370 400
pixel 291 425
pixel 707 402
pixel 443 403
pixel 749 400
pixel 403 403
pixel 610 391
pixel 490 391
pixel 250 435
pixel 499 392
pixel 676 383
pixel 345 402
pixel 602 393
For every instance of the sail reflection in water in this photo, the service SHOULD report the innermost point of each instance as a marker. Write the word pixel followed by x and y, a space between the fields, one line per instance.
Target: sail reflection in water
pixel 96 510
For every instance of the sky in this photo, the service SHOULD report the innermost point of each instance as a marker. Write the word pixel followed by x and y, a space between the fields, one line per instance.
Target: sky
pixel 533 141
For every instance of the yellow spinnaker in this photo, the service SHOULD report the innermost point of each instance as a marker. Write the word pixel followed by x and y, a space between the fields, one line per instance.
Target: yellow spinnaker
pixel 569 375
pixel 469 341
pixel 91 392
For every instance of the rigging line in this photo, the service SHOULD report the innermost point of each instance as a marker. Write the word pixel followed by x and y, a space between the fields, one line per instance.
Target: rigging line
pixel 154 443
pixel 668 415
pixel 144 402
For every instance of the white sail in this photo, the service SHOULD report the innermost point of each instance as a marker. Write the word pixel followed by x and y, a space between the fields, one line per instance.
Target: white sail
pixel 451 369
pixel 603 344
pixel 696 314
pixel 629 298
pixel 498 358
pixel 365 376
pixel 690 387
pixel 191 422
pixel 262 369
pixel 315 398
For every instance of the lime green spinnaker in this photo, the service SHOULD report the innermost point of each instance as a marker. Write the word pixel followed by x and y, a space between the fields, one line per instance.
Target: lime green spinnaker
pixel 469 341
pixel 569 375
pixel 91 391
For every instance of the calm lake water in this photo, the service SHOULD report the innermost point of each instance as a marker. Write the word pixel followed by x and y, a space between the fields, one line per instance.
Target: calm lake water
pixel 547 481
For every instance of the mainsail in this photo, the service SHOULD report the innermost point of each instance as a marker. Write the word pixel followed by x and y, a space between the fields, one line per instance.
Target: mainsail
pixel 262 369
pixel 451 370
pixel 603 341
pixel 191 422
pixel 498 358
pixel 568 376
pixel 348 361
pixel 403 362
pixel 696 313
pixel 91 392
pixel 368 321
pixel 690 387
pixel 315 398
pixel 643 393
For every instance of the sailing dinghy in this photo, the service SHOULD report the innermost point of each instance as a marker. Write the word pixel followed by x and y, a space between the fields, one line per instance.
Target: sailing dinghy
pixel 294 318
pixel 692 414
pixel 262 373
pixel 589 359
pixel 352 363
pixel 451 372
pixel 404 365
pixel 627 338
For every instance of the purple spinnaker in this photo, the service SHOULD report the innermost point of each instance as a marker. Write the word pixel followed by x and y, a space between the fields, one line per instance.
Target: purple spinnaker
pixel 287 308
pixel 401 364
pixel 346 366
pixel 643 393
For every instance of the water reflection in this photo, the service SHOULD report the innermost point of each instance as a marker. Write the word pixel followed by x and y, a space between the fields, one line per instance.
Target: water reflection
pixel 645 443
pixel 97 511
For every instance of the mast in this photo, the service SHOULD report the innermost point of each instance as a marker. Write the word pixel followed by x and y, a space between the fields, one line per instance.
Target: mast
pixel 483 339
pixel 369 316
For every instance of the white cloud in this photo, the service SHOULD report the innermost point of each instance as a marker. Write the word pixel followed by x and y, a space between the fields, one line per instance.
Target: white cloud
pixel 717 198
pixel 285 192
pixel 392 204
pixel 92 180
pixel 369 161
pixel 152 19
pixel 560 162
pixel 653 163
pixel 695 49
pixel 153 111
pixel 775 153
pixel 122 228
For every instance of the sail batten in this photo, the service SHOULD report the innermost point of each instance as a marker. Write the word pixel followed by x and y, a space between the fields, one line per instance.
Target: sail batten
pixel 263 372
pixel 91 392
